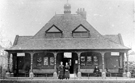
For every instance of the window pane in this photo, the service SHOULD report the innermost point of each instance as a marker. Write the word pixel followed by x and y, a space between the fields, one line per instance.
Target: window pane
pixel 53 35
pixel 82 60
pixel 80 34
pixel 95 60
pixel 51 60
pixel 39 61
pixel 89 60
pixel 45 60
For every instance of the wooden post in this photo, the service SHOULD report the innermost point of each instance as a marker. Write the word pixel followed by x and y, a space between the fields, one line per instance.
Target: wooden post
pixel 8 69
pixel 124 70
pixel 12 73
pixel 31 65
pixel 128 73
pixel 103 65
pixel 55 66
pixel 79 72
pixel 120 59
pixel 14 64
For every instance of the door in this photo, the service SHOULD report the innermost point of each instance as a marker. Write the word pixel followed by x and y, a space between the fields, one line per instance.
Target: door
pixel 70 58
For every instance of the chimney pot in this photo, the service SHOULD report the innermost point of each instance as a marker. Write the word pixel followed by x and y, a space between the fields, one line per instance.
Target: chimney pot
pixel 82 12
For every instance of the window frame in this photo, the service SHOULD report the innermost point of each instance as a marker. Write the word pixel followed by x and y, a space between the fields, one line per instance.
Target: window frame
pixel 74 31
pixel 47 31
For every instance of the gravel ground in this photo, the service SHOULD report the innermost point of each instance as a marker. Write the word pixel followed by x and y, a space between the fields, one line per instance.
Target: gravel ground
pixel 73 80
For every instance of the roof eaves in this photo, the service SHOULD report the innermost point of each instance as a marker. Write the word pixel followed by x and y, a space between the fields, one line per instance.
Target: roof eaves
pixel 120 39
pixel 16 40
pixel 116 43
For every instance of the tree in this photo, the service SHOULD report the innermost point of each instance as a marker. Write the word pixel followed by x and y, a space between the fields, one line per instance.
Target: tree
pixel 4 44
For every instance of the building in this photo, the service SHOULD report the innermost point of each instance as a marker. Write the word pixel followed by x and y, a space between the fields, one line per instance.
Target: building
pixel 69 38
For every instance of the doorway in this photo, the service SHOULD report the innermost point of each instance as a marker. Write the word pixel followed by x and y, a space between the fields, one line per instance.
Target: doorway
pixel 21 64
pixel 70 58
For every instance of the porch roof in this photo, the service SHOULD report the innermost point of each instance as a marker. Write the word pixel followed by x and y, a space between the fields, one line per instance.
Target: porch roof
pixel 68 43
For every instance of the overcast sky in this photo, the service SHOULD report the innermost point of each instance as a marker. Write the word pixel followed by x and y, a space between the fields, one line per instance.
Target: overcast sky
pixel 26 17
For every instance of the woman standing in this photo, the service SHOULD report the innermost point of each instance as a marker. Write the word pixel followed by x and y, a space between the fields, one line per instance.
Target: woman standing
pixel 67 67
pixel 61 71
pixel 96 71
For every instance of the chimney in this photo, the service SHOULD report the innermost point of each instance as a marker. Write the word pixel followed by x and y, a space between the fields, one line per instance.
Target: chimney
pixel 82 12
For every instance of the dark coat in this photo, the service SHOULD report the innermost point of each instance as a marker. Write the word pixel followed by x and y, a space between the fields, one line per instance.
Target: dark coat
pixel 96 71
pixel 67 71
pixel 61 72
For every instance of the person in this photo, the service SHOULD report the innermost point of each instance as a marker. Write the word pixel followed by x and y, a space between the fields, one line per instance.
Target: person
pixel 107 72
pixel 67 67
pixel 26 68
pixel 61 71
pixel 96 71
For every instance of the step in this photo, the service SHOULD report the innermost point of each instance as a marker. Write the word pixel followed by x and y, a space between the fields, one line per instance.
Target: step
pixel 72 75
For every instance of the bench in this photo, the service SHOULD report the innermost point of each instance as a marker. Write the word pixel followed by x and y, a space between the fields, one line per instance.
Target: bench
pixel 43 72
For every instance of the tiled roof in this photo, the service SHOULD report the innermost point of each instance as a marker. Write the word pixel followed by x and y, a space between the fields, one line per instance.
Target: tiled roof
pixel 68 43
pixel 115 38
pixel 21 39
pixel 67 23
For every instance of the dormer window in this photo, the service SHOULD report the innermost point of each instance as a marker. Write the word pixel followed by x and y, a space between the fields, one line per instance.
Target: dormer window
pixel 53 32
pixel 80 32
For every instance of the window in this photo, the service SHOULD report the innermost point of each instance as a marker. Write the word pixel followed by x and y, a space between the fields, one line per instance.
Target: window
pixel 51 60
pixel 53 32
pixel 95 60
pixel 39 61
pixel 80 31
pixel 45 60
pixel 83 60
pixel 89 60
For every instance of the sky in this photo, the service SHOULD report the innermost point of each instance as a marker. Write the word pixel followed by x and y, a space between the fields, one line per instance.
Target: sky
pixel 27 17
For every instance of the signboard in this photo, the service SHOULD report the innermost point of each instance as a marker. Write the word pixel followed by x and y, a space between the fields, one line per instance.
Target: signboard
pixel 20 54
pixel 114 53
pixel 67 55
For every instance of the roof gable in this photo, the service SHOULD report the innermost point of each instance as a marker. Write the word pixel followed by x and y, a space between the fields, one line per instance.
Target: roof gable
pixel 80 28
pixel 53 28
pixel 67 23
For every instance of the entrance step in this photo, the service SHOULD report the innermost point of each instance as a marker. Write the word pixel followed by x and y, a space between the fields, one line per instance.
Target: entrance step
pixel 72 76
